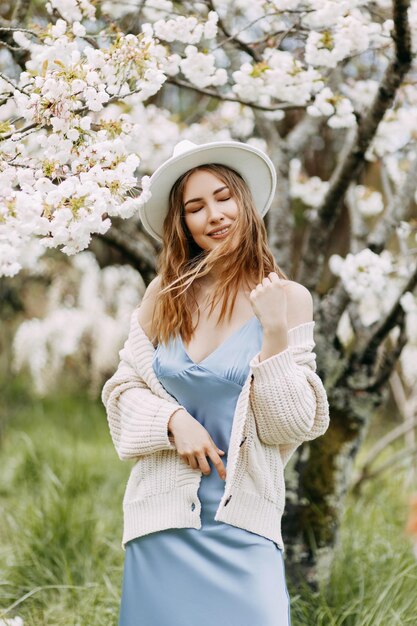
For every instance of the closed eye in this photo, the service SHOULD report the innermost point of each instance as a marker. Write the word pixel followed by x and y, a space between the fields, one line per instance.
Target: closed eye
pixel 220 200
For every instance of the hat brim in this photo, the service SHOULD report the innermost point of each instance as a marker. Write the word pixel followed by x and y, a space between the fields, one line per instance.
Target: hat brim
pixel 252 164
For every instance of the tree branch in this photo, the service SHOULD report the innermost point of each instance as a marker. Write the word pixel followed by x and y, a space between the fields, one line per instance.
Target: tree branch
pixel 20 12
pixel 398 457
pixel 16 29
pixel 215 94
pixel 383 327
pixel 327 215
pixel 387 439
pixel 364 357
pixel 388 361
pixel 134 244
pixel 22 131
pixel 12 83
pixel 331 308
pixel 238 42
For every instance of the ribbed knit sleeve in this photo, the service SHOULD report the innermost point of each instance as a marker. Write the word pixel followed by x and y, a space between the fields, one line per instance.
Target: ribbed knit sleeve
pixel 138 418
pixel 288 398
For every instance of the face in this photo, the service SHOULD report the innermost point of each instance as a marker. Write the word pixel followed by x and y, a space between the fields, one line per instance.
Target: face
pixel 208 206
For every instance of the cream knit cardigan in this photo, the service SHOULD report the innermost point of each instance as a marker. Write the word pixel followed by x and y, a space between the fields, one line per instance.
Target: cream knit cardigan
pixel 282 403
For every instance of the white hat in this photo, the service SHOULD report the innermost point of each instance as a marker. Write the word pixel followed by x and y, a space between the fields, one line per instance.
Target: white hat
pixel 252 164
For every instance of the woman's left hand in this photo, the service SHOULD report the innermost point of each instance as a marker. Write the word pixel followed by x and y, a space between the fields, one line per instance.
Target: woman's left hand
pixel 269 301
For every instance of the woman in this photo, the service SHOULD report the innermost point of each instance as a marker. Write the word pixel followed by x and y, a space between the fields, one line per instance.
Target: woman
pixel 215 389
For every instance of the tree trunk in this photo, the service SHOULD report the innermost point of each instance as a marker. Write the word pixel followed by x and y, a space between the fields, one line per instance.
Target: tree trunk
pixel 317 478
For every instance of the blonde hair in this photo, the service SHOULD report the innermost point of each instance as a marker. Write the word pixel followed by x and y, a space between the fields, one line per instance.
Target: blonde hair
pixel 181 261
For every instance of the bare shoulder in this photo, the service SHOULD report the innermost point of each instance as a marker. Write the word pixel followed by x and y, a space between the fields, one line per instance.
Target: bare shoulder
pixel 299 304
pixel 147 306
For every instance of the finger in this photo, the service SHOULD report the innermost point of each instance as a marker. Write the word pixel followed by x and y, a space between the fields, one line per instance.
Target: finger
pixel 218 463
pixel 273 276
pixel 192 461
pixel 211 443
pixel 203 463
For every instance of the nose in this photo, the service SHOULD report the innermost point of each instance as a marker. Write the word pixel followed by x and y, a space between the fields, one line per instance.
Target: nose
pixel 214 210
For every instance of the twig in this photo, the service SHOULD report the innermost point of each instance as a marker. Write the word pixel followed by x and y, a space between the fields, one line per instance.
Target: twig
pixel 215 94
pixel 399 456
pixel 241 44
pixel 407 410
pixel 14 29
pixel 12 83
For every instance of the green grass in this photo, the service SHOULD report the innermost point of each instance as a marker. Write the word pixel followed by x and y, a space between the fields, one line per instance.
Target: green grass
pixel 374 574
pixel 61 561
pixel 62 487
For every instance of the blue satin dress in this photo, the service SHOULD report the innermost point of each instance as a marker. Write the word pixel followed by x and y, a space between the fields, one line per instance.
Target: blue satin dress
pixel 218 574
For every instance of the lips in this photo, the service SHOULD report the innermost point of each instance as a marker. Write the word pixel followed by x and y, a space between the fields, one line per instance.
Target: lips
pixel 220 233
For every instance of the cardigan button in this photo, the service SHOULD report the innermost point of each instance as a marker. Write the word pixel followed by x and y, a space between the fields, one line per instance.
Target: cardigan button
pixel 193 506
pixel 252 376
pixel 243 441
pixel 226 502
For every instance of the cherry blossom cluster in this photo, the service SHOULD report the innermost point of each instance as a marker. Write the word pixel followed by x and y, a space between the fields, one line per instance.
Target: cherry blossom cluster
pixel 83 173
pixel 364 272
pixel 367 201
pixel 310 190
pixel 63 80
pixel 278 76
pixel 186 29
pixel 373 282
pixel 336 107
pixel 73 10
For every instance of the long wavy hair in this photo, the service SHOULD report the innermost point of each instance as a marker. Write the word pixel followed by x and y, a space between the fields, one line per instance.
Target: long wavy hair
pixel 181 262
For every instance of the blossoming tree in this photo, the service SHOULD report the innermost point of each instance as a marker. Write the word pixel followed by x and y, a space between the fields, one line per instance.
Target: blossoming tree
pixel 95 95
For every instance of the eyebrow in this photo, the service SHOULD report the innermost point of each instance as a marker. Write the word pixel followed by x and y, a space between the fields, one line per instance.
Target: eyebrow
pixel 200 199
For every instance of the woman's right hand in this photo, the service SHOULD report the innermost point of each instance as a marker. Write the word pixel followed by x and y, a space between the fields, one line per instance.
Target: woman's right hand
pixel 194 443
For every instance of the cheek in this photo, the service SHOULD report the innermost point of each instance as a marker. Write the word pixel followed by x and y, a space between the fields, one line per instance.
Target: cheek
pixel 194 222
pixel 232 208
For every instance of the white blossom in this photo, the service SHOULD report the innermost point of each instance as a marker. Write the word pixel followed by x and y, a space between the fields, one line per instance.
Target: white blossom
pixel 349 36
pixel 73 10
pixel 394 132
pixel 363 273
pixel 403 230
pixel 369 202
pixel 360 92
pixel 310 190
pixel 186 29
pixel 325 13
pixel 336 107
pixel 278 76
pixel 200 68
